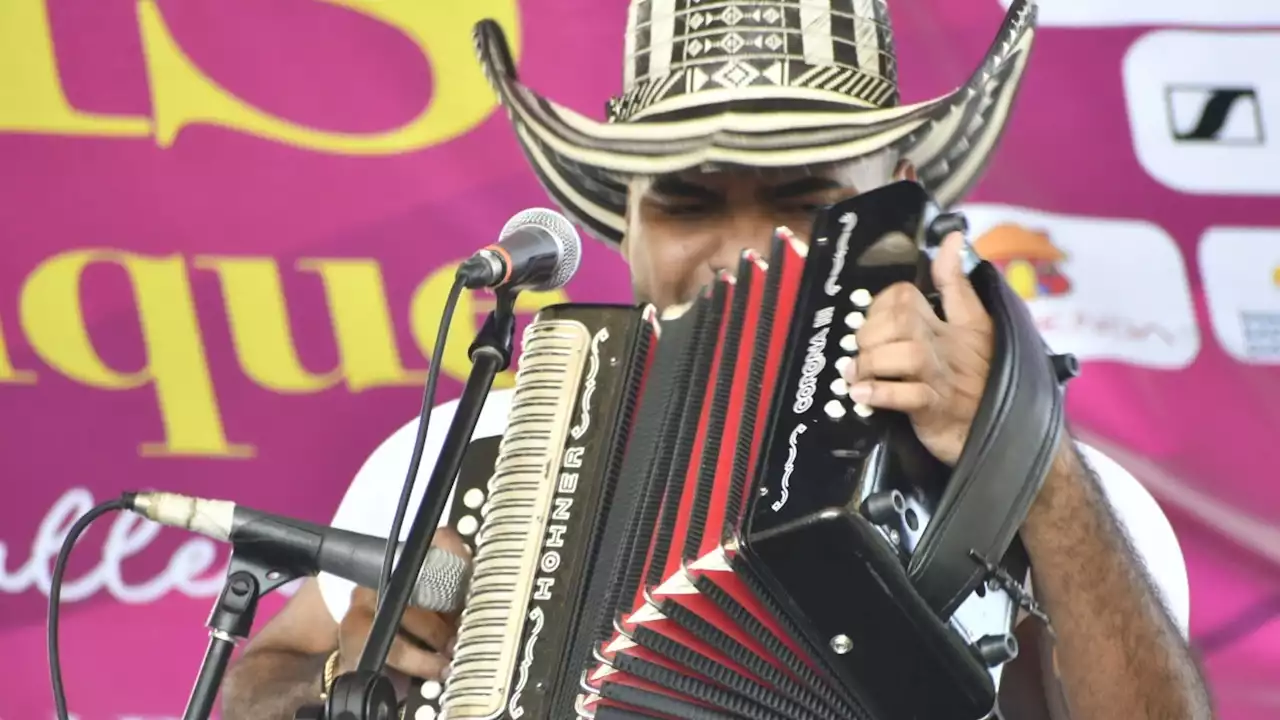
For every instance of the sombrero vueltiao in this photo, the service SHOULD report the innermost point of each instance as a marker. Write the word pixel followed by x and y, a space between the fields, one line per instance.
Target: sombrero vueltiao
pixel 764 84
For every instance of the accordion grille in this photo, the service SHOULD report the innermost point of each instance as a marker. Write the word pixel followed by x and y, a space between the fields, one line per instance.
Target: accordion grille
pixel 515 516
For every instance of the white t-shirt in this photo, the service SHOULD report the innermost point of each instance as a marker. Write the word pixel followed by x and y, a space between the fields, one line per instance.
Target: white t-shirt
pixel 369 505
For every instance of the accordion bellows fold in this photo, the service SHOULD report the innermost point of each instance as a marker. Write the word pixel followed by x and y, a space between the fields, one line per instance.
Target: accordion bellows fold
pixel 700 523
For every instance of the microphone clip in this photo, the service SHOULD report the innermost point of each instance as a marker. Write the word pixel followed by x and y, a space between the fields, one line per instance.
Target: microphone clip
pixel 497 335
pixel 249 578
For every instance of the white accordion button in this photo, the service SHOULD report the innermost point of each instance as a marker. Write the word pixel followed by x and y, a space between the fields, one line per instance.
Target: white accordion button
pixel 468 525
pixel 842 364
pixel 860 297
pixel 425 712
pixel 841 644
pixel 839 387
pixel 474 498
pixel 862 410
pixel 854 320
pixel 849 343
pixel 835 409
pixel 431 690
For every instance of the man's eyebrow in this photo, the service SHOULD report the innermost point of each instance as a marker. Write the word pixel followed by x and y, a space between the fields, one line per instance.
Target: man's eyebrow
pixel 673 186
pixel 802 187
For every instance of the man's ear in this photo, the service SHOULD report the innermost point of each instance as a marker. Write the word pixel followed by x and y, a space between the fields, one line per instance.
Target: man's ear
pixel 906 171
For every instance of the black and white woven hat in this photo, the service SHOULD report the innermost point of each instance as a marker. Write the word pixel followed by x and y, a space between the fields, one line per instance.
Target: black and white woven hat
pixel 757 83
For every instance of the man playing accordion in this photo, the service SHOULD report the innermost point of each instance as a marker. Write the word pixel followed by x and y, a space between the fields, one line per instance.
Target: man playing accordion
pixel 738 117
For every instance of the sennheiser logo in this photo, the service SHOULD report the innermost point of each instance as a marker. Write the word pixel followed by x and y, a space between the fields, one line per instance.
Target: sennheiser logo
pixel 1203 114
pixel 1204 110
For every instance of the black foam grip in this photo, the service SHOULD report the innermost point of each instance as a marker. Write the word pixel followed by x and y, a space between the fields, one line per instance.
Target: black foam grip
pixel 1008 454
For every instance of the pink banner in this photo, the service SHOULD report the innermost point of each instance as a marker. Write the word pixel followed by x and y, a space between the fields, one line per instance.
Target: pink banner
pixel 227 228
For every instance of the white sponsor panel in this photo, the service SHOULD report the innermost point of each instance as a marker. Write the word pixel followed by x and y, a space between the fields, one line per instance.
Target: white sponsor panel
pixel 1204 110
pixel 1101 288
pixel 1152 13
pixel 1240 268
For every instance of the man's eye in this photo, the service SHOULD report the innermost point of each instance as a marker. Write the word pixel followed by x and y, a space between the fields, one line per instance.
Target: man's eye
pixel 685 210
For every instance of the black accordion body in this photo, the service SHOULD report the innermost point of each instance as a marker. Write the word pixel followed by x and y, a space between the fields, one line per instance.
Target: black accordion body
pixel 689 518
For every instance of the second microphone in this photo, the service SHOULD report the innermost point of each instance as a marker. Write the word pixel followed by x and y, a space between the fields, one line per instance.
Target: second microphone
pixel 305 548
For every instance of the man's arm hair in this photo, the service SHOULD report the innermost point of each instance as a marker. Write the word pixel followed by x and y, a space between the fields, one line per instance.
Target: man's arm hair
pixel 1119 653
pixel 281 668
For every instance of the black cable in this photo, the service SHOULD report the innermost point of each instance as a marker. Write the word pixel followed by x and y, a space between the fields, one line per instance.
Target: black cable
pixel 419 443
pixel 124 502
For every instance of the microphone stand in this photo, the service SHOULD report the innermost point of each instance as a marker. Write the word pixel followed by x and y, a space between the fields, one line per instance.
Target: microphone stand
pixel 249 578
pixel 367 693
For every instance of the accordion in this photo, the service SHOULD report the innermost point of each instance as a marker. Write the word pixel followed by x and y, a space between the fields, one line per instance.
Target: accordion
pixel 688 517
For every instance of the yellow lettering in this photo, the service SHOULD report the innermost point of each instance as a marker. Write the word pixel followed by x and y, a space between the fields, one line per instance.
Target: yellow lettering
pixel 8 373
pixel 31 96
pixel 362 324
pixel 52 315
pixel 258 316
pixel 182 94
pixel 259 323
pixel 424 318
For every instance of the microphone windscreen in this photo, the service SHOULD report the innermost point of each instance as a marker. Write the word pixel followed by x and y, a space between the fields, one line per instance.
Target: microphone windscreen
pixel 561 229
pixel 442 584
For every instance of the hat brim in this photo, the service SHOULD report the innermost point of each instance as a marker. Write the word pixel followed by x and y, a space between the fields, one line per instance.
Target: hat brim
pixel 585 165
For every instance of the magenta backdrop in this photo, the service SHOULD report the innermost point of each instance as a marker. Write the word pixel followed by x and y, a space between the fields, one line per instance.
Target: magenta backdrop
pixel 242 310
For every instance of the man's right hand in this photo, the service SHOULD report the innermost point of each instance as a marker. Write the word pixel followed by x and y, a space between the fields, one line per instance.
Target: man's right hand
pixel 424 644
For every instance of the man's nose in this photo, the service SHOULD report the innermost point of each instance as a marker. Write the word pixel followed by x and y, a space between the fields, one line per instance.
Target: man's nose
pixel 747 231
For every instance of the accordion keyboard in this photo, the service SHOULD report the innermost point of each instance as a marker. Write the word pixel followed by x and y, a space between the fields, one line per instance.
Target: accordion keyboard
pixel 506 561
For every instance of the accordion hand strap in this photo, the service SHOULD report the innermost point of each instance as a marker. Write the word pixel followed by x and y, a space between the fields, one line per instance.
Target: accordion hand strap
pixel 1010 449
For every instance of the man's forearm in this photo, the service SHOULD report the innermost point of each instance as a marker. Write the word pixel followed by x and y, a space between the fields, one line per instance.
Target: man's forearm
pixel 1119 655
pixel 272 685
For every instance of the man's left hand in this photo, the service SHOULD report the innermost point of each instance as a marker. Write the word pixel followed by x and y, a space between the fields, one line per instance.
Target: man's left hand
pixel 910 360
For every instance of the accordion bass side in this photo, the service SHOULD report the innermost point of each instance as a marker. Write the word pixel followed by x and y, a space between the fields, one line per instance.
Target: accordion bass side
pixel 689 517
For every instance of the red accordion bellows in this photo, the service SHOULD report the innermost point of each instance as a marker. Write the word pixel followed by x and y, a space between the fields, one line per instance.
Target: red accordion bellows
pixel 733 656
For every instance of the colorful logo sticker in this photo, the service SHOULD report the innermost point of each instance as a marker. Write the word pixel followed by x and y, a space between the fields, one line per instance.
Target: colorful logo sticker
pixel 1030 261
pixel 1102 288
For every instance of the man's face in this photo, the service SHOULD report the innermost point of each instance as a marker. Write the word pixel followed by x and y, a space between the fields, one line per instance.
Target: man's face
pixel 682 228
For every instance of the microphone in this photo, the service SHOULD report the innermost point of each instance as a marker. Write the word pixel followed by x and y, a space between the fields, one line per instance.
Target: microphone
pixel 307 548
pixel 537 249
